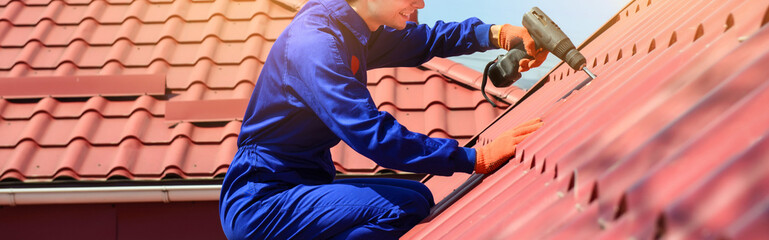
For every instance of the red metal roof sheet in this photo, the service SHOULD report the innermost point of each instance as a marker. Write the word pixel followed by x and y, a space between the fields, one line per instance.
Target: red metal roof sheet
pixel 209 54
pixel 669 141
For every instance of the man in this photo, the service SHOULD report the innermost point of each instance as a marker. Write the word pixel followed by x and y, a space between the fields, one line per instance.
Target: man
pixel 312 93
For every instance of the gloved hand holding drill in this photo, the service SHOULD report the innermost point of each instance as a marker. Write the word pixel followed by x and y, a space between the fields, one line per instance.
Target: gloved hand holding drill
pixel 508 36
pixel 491 156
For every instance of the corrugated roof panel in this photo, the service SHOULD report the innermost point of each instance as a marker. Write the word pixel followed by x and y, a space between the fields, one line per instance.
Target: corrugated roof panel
pixel 656 147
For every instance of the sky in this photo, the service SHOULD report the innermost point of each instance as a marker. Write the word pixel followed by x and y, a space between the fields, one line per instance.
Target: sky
pixel 578 19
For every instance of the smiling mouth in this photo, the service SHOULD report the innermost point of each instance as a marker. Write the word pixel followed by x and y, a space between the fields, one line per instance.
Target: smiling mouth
pixel 406 14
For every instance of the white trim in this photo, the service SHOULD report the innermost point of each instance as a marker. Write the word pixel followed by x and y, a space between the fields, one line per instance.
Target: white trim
pixel 71 195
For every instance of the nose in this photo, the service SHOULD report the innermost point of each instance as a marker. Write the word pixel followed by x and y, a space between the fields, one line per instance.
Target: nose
pixel 419 4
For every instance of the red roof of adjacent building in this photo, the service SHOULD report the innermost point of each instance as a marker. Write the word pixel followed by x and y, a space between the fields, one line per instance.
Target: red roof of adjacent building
pixel 94 90
pixel 669 141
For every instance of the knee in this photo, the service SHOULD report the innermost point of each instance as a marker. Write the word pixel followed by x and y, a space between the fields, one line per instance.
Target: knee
pixel 400 221
pixel 422 206
pixel 427 194
pixel 415 210
pixel 424 191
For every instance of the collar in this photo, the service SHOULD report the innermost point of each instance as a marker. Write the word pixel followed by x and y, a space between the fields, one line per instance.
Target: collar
pixel 343 12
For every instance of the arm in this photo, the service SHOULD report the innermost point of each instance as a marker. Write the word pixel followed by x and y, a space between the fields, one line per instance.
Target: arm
pixel 417 44
pixel 324 82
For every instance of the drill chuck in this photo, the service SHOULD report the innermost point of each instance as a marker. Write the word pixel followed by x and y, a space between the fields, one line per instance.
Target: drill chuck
pixel 575 59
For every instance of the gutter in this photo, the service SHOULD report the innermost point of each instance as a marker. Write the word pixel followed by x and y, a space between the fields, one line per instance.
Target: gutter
pixel 130 194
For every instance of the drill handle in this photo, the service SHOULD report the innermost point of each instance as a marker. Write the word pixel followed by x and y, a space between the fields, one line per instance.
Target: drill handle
pixel 504 72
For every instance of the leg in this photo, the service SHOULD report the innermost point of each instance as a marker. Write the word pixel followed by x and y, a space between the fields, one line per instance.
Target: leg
pixel 356 210
pixel 402 183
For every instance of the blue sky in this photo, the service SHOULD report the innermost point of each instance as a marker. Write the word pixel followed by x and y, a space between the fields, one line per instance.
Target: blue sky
pixel 578 19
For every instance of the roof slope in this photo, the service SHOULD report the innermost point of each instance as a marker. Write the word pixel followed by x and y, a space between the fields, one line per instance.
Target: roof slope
pixel 669 141
pixel 94 90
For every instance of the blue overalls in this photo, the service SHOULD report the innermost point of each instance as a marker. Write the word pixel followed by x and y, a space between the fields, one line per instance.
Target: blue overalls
pixel 311 94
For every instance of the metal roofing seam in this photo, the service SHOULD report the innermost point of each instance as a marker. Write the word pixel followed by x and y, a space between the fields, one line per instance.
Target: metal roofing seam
pixel 752 225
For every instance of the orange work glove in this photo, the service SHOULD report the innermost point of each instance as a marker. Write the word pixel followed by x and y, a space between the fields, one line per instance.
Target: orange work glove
pixel 510 35
pixel 491 156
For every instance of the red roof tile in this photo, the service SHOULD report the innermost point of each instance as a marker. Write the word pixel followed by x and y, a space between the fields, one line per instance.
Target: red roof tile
pixel 209 54
pixel 96 33
pixel 68 109
pixel 669 141
pixel 470 77
pixel 131 159
pixel 82 86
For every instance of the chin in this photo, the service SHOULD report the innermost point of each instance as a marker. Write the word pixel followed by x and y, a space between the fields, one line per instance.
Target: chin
pixel 398 26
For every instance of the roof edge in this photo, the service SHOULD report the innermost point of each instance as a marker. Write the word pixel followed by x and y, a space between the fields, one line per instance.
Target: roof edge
pixel 80 195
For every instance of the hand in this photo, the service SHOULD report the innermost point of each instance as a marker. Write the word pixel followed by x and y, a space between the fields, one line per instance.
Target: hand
pixel 491 156
pixel 509 36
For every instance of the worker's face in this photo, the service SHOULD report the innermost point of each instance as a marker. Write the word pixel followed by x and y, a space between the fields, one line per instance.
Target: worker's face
pixel 392 13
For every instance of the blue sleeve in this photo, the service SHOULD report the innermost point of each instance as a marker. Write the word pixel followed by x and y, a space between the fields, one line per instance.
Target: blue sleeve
pixel 417 44
pixel 323 82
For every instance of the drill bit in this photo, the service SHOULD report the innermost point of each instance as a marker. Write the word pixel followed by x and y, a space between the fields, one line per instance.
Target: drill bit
pixel 589 73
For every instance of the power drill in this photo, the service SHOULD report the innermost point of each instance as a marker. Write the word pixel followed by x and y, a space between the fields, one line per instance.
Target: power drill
pixel 503 71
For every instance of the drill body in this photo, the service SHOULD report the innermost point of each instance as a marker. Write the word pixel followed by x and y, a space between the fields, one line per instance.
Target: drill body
pixel 548 36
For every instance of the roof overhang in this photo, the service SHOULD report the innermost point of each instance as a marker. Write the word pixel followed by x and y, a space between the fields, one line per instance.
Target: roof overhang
pixel 123 194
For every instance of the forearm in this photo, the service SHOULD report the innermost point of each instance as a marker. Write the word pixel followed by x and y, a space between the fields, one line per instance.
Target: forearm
pixel 494 35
